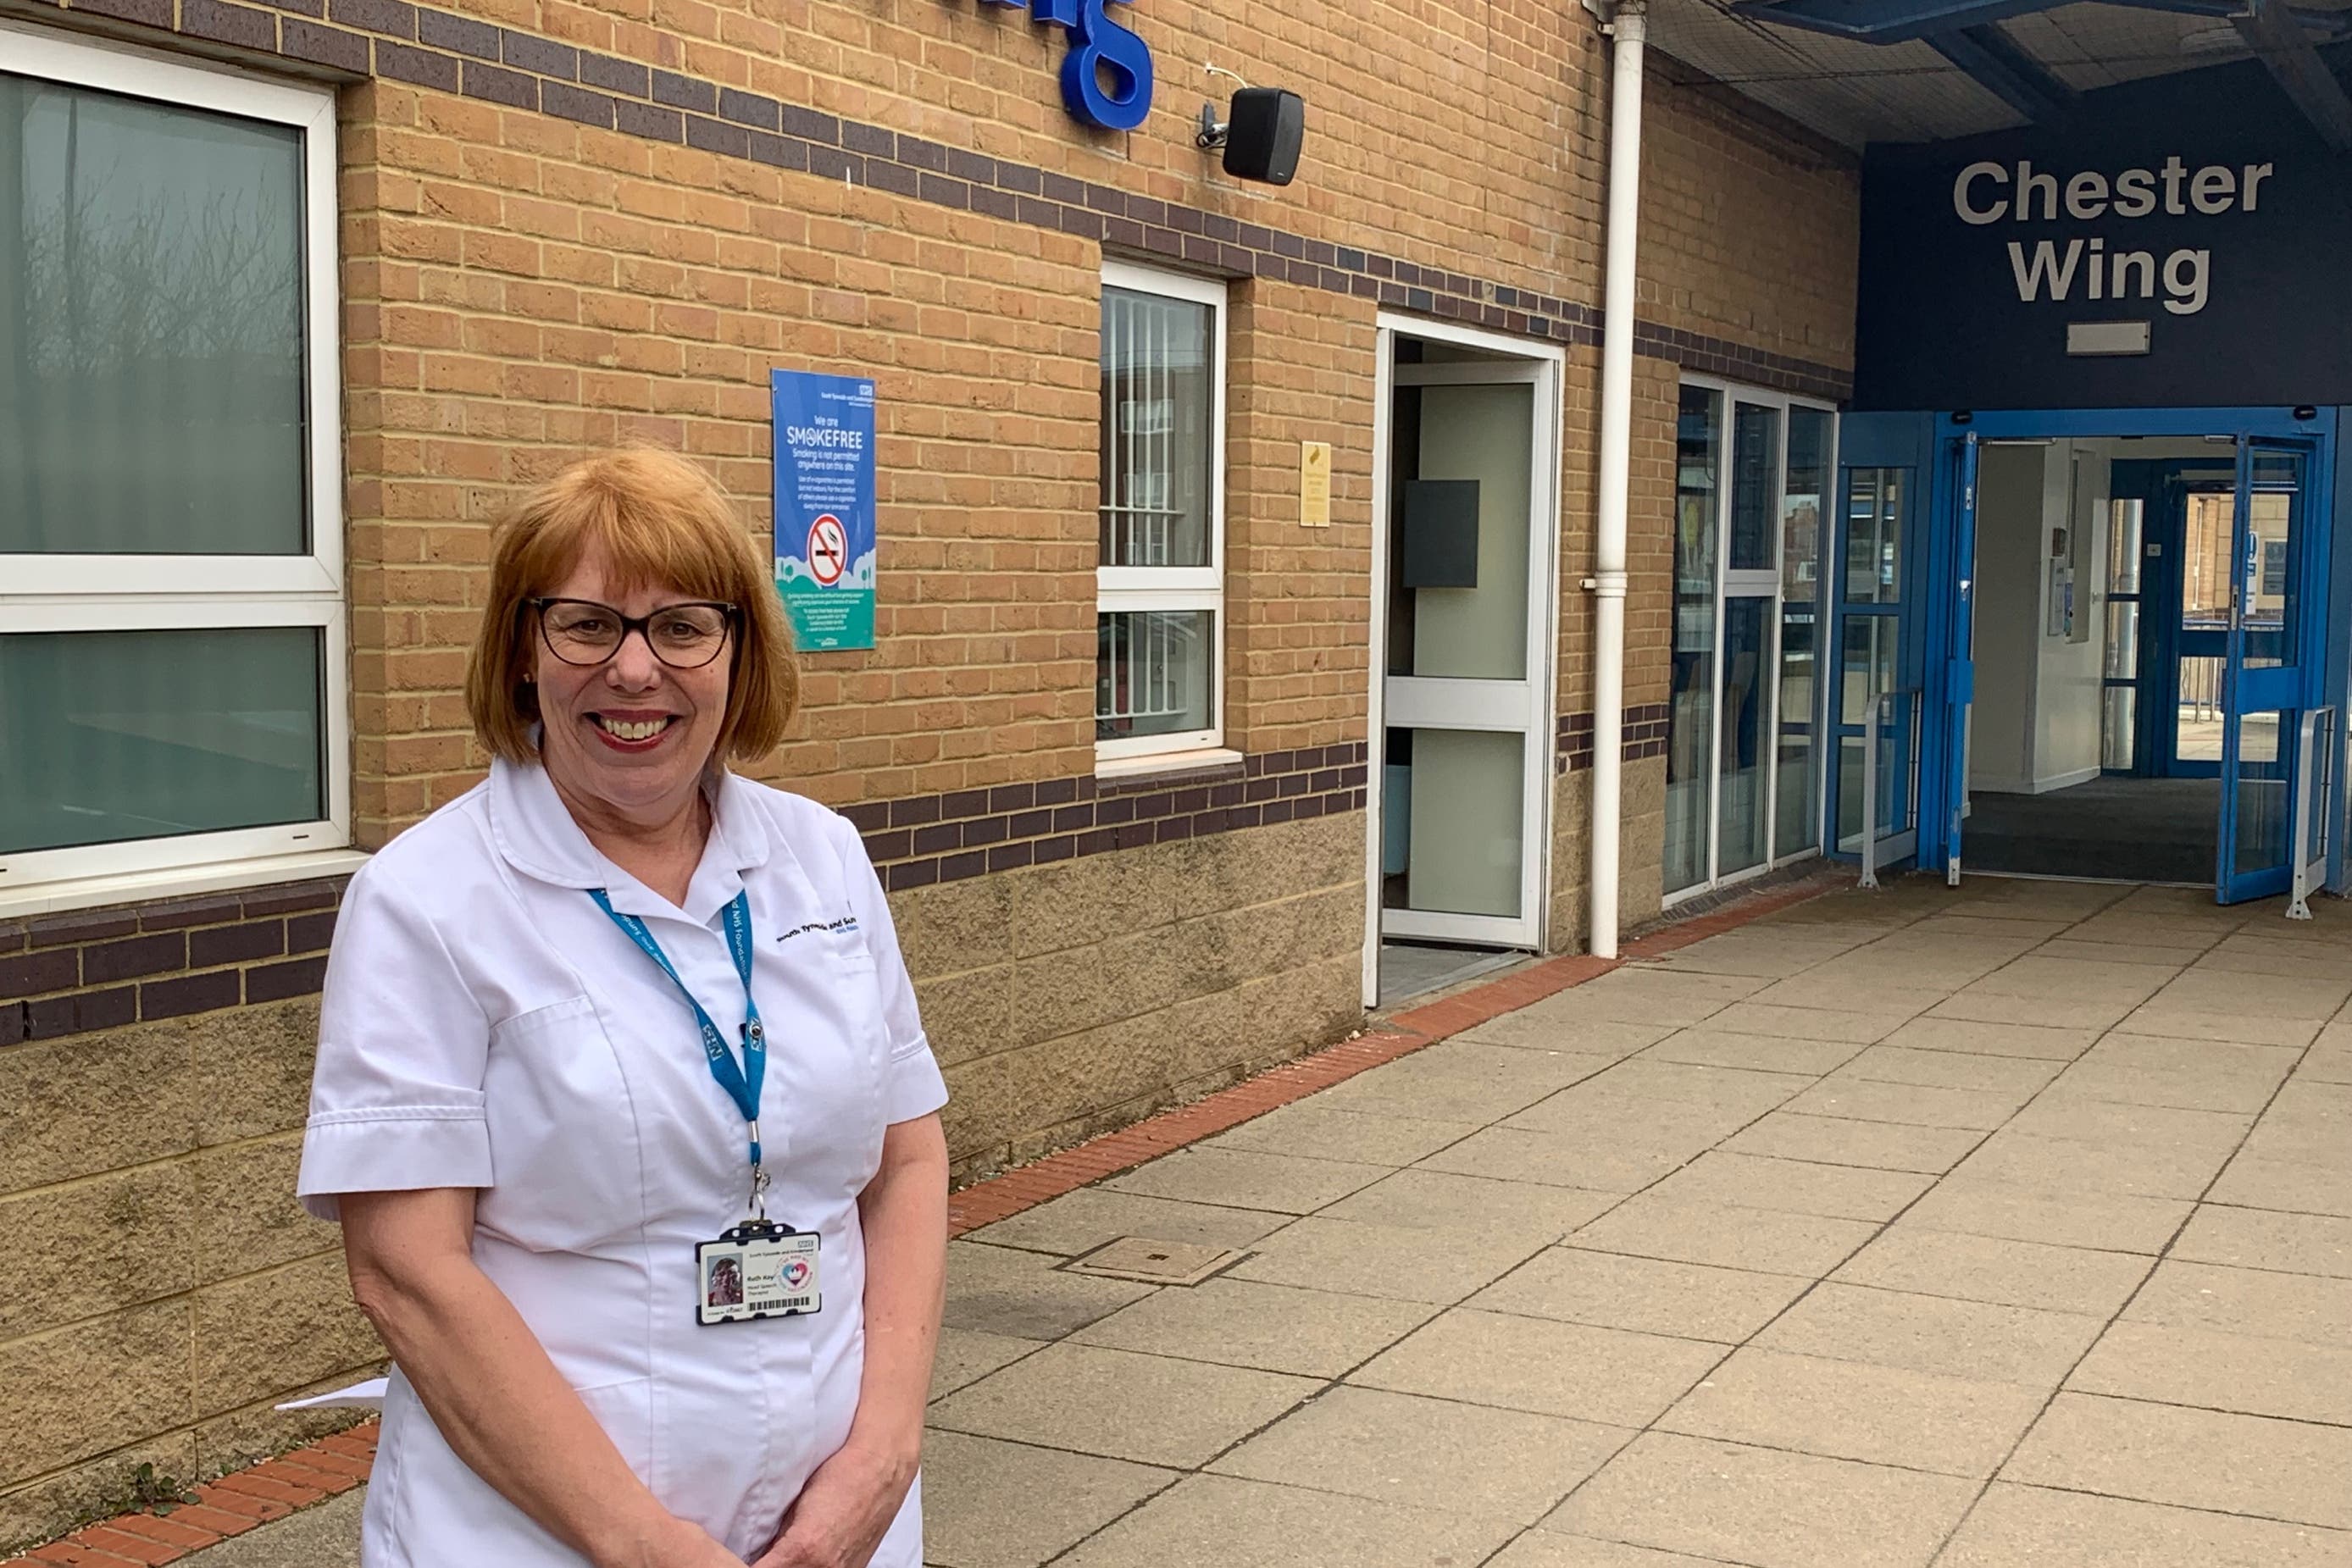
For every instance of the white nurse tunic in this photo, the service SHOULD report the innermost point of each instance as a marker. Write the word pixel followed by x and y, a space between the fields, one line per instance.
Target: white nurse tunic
pixel 487 1025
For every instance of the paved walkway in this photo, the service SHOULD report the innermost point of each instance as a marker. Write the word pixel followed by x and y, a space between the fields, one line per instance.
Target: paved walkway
pixel 2004 1226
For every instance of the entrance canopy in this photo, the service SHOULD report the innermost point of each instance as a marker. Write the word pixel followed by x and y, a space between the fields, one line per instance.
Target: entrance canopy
pixel 1863 71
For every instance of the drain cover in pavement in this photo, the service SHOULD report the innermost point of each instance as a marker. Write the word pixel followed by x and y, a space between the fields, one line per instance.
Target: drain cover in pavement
pixel 1155 1262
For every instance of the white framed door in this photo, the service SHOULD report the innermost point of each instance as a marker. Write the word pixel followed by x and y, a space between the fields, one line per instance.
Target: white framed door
pixel 1461 719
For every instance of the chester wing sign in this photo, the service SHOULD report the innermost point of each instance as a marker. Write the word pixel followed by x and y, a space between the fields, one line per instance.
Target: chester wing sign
pixel 1099 49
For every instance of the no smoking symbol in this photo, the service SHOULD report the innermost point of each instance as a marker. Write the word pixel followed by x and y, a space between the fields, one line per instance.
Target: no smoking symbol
pixel 828 549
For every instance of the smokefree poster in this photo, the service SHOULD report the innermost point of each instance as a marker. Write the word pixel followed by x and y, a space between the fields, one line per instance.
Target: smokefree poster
pixel 825 507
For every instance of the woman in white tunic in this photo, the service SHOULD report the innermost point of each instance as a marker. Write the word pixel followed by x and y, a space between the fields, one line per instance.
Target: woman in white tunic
pixel 581 1027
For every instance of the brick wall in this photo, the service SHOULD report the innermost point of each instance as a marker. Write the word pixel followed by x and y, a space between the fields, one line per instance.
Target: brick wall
pixel 565 225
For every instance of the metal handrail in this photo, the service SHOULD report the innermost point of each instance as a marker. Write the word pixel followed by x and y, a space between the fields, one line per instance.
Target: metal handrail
pixel 2314 807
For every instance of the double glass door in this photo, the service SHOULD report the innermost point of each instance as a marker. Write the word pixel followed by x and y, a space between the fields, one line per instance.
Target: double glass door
pixel 1743 761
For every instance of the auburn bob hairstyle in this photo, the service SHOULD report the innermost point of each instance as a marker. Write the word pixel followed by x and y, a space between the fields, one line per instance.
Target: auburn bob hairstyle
pixel 657 521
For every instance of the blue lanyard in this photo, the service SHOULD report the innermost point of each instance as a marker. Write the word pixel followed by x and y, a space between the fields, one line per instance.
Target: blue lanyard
pixel 742 1084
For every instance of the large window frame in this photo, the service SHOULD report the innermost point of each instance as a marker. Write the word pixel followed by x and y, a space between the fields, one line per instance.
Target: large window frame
pixel 1131 589
pixel 1767 583
pixel 93 593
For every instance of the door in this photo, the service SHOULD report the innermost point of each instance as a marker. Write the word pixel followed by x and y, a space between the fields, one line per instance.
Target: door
pixel 2203 594
pixel 1959 665
pixel 1874 700
pixel 2263 675
pixel 1466 699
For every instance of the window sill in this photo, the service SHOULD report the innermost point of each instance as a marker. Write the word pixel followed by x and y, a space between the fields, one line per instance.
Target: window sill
pixel 153 886
pixel 1199 759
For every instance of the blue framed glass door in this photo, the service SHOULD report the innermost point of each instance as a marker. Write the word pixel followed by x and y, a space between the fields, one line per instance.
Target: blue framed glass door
pixel 2263 678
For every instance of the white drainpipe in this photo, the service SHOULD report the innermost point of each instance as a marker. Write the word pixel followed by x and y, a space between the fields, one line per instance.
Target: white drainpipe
pixel 1627 25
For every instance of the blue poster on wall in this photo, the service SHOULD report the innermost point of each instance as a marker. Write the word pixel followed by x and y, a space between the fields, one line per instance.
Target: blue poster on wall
pixel 825 507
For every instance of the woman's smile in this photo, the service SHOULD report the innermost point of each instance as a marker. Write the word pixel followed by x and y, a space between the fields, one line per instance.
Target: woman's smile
pixel 631 730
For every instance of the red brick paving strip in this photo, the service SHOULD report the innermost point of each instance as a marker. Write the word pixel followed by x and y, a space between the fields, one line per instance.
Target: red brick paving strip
pixel 275 1488
pixel 229 1506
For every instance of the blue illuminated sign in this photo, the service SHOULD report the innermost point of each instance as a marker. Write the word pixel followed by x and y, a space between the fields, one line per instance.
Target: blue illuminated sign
pixel 1099 45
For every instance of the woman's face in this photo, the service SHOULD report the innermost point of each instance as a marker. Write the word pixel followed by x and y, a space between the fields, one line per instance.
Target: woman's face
pixel 632 735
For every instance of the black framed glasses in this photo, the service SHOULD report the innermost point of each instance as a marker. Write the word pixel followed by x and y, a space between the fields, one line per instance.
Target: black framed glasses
pixel 584 633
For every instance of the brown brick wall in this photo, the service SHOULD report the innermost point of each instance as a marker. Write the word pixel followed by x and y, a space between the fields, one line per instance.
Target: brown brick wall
pixel 565 225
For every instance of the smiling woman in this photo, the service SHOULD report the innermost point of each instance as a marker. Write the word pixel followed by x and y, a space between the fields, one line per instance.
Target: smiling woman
pixel 538 1103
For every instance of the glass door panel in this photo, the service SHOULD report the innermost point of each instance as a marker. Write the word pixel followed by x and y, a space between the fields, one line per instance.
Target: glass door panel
pixel 1797 756
pixel 2119 663
pixel 1741 783
pixel 1869 651
pixel 1453 816
pixel 1755 486
pixel 1484 434
pixel 1698 457
pixel 2260 684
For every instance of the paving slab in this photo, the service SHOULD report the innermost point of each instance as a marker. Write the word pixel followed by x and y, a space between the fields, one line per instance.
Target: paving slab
pixel 967 1355
pixel 1609 1375
pixel 2012 1526
pixel 1998 1270
pixel 1429 1453
pixel 1392 1261
pixel 1855 1410
pixel 2304 1307
pixel 1710 1047
pixel 1063 1498
pixel 1842 1140
pixel 1314 1131
pixel 1247 1178
pixel 1151 1409
pixel 1649 1296
pixel 1085 1220
pixel 1794 1186
pixel 2030 1211
pixel 2288 1471
pixel 1765 1507
pixel 1563 1158
pixel 2250 1375
pixel 2255 1238
pixel 1542 1548
pixel 2017 1158
pixel 1001 1290
pixel 2030 1041
pixel 2005 1075
pixel 1274 1328
pixel 1442 1201
pixel 1934 1333
pixel 1651 1225
pixel 1237 1523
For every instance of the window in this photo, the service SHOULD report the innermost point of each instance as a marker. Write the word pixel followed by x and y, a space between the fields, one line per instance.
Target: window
pixel 1743 763
pixel 1159 581
pixel 171 631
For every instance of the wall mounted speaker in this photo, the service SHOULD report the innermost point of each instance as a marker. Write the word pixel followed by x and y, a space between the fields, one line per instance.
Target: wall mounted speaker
pixel 1263 134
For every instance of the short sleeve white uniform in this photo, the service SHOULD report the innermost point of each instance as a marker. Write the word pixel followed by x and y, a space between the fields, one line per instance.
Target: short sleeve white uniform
pixel 486 1025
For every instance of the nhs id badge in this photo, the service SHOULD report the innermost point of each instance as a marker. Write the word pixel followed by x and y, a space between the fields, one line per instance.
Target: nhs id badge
pixel 757 1269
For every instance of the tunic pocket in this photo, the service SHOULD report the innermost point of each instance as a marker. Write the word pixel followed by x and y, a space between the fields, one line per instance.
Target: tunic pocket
pixel 626 1412
pixel 563 1137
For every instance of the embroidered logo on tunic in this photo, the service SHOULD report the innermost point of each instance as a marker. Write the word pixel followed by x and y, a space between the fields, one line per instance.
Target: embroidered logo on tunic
pixel 846 922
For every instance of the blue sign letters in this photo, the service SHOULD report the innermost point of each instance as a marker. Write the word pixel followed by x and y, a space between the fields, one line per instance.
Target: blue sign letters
pixel 1097 44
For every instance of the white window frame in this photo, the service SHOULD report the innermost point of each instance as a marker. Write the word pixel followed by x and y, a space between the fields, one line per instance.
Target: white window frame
pixel 49 592
pixel 1146 587
pixel 1765 582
